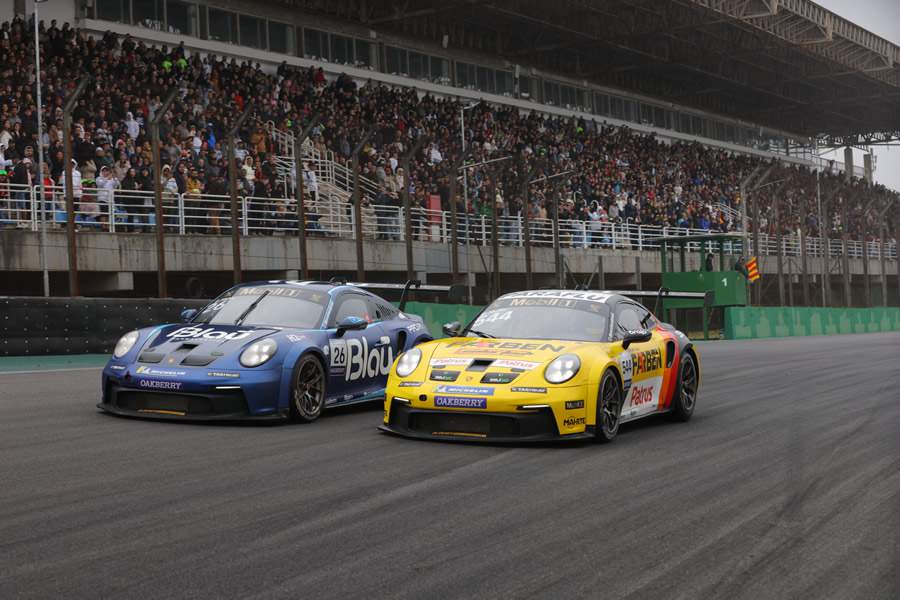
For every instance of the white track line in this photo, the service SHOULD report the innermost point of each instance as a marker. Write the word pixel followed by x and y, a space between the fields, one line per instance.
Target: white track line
pixel 49 371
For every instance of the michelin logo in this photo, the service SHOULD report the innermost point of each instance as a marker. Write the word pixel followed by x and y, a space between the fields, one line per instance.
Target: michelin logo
pixel 143 370
pixel 465 389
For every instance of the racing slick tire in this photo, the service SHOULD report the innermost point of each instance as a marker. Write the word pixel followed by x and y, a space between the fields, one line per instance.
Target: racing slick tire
pixel 308 389
pixel 609 407
pixel 686 391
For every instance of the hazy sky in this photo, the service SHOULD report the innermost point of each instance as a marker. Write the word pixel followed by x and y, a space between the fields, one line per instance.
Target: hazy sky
pixel 881 17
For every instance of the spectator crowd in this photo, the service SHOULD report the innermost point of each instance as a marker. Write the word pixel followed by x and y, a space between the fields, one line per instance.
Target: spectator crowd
pixel 612 174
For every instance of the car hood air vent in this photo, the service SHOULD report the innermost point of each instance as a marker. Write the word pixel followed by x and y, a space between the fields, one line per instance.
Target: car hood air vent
pixel 197 360
pixel 480 364
pixel 151 357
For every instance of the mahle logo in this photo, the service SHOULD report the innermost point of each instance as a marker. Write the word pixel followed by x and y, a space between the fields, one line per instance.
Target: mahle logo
pixel 210 333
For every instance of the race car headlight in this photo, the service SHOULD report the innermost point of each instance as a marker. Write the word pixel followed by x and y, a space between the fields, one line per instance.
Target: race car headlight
pixel 126 343
pixel 562 369
pixel 258 352
pixel 408 362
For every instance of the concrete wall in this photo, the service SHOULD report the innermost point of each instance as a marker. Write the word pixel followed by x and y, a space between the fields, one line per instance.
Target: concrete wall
pixel 61 10
pixel 101 252
pixel 126 264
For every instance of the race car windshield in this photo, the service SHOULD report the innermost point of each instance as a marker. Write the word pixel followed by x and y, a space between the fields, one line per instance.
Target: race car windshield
pixel 540 319
pixel 275 307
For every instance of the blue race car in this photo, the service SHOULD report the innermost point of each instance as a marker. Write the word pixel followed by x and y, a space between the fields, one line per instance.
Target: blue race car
pixel 264 351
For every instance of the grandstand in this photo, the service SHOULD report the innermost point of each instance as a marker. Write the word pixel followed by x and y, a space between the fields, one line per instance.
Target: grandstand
pixel 588 127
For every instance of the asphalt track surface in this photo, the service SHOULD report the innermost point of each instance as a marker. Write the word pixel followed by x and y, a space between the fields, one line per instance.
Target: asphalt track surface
pixel 786 484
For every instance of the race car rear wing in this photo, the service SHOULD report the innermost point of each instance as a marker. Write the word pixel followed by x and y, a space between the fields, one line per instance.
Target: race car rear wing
pixel 707 297
pixel 453 291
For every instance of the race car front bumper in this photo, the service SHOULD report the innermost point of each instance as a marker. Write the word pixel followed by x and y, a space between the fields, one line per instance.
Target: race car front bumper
pixel 537 425
pixel 195 398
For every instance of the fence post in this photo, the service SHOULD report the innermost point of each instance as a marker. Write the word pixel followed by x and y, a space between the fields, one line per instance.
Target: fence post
pixel 112 211
pixel 182 218
pixel 32 209
pixel 245 217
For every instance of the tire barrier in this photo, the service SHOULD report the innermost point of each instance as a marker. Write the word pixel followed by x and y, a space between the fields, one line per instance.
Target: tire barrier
pixel 32 326
pixel 38 326
pixel 742 323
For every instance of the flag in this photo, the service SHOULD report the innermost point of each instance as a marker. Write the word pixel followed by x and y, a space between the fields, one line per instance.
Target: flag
pixel 752 269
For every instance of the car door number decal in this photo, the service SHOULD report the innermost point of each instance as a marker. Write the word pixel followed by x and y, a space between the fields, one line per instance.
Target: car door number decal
pixel 355 359
pixel 338 352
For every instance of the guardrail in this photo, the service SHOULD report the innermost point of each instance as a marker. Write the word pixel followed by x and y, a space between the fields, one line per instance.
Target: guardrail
pixel 123 211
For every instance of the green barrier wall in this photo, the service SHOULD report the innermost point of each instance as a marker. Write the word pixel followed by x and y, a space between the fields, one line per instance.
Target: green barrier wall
pixel 436 315
pixel 743 323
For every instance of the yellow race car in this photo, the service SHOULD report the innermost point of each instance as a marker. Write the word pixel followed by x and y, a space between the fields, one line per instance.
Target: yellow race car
pixel 543 365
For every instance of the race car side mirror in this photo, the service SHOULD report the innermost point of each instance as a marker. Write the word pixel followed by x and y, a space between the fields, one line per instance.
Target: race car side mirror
pixel 351 324
pixel 188 314
pixel 636 336
pixel 451 329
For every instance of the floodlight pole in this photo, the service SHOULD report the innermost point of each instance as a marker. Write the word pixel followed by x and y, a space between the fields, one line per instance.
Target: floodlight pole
pixel 298 188
pixel 70 193
pixel 157 189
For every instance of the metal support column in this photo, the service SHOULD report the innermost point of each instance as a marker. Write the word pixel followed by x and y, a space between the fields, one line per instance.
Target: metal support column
pixel 779 242
pixel 300 194
pixel 757 285
pixel 638 284
pixel 882 254
pixel 357 206
pixel 845 258
pixel 495 248
pixel 162 288
pixel 70 193
pixel 826 253
pixel 601 274
pixel 526 229
pixel 232 192
pixel 867 284
pixel 408 234
pixel 804 269
pixel 454 221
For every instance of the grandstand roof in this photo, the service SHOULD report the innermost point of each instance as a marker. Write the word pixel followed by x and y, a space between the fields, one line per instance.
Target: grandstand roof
pixel 786 64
